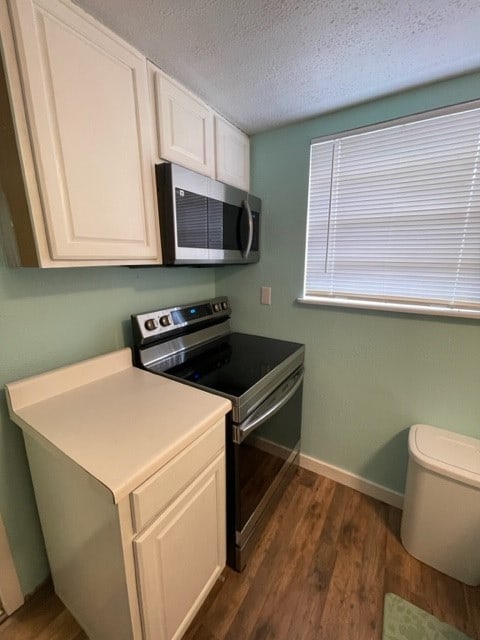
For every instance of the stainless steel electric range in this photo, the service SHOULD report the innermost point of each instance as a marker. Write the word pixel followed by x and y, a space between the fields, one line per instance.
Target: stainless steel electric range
pixel 263 378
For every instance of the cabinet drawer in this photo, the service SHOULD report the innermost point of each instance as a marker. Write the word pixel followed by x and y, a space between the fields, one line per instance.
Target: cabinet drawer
pixel 154 494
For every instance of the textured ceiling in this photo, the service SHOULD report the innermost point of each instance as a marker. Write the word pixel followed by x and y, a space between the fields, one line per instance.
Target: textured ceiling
pixel 263 63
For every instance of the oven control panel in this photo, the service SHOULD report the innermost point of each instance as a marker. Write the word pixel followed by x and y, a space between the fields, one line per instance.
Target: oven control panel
pixel 162 323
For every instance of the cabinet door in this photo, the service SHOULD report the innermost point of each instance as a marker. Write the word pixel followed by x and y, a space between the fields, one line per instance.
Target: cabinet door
pixel 181 554
pixel 232 151
pixel 185 127
pixel 86 97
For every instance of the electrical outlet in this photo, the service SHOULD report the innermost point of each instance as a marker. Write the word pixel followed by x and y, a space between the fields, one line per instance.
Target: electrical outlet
pixel 266 295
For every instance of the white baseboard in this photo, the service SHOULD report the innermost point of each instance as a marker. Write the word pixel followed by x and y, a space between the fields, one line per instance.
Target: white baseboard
pixel 353 481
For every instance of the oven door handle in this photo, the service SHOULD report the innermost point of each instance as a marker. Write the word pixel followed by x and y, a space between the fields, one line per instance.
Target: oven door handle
pixel 286 391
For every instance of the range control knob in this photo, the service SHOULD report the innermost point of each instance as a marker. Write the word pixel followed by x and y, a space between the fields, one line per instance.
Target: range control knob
pixel 224 305
pixel 150 324
pixel 216 306
pixel 164 321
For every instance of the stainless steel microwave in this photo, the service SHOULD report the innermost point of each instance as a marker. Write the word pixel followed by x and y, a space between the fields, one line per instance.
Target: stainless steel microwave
pixel 203 221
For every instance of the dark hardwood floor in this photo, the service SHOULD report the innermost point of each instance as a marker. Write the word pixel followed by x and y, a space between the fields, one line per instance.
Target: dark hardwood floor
pixel 321 570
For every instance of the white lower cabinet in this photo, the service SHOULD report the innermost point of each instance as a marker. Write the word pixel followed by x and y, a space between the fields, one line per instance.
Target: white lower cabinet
pixel 139 569
pixel 128 470
pixel 181 554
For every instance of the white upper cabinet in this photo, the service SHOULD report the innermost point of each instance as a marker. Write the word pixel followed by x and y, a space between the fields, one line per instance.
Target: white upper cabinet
pixel 184 126
pixel 232 155
pixel 86 106
pixel 192 135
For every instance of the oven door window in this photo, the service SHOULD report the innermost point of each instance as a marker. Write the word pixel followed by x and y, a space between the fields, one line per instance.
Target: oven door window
pixel 261 457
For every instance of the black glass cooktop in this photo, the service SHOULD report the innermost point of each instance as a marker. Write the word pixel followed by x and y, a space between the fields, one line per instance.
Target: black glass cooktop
pixel 231 365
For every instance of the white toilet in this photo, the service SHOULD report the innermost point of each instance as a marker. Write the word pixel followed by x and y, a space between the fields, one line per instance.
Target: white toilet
pixel 441 513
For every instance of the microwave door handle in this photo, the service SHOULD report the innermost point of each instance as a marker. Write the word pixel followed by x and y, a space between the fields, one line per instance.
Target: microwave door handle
pixel 246 251
pixel 240 433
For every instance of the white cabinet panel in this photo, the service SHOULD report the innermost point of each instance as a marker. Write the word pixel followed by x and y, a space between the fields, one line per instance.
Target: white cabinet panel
pixel 232 155
pixel 86 96
pixel 190 134
pixel 151 497
pixel 181 554
pixel 185 127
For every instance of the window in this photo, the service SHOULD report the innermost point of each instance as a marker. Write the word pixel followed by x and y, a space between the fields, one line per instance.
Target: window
pixel 394 215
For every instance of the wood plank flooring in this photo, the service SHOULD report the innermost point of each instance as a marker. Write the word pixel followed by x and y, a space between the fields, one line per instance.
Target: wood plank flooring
pixel 320 572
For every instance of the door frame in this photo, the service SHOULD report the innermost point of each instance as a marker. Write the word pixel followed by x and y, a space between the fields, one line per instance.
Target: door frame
pixel 11 595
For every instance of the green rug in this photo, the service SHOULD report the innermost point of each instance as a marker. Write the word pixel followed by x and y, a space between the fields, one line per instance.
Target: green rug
pixel 404 621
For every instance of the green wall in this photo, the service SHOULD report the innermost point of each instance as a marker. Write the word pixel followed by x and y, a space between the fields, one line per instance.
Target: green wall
pixel 49 318
pixel 369 374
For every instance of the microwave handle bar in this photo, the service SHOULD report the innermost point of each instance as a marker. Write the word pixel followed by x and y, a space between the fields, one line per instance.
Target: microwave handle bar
pixel 240 433
pixel 246 251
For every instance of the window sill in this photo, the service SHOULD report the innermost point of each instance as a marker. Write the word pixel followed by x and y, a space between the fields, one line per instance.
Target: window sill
pixel 395 307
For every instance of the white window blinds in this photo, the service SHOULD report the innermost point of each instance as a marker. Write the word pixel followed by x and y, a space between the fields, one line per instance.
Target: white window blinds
pixel 394 215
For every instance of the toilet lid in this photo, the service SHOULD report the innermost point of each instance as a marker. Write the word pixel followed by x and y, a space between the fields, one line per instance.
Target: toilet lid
pixel 445 452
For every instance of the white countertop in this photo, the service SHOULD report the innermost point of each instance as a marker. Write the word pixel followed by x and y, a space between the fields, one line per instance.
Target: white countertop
pixel 119 423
